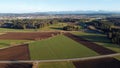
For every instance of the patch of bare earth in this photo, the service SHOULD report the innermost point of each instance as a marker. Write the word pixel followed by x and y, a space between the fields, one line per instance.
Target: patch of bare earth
pixel 15 65
pixel 20 52
pixel 98 63
pixel 27 36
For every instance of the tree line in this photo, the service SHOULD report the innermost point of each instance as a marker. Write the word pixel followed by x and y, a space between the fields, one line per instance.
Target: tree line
pixel 71 28
pixel 27 23
pixel 109 28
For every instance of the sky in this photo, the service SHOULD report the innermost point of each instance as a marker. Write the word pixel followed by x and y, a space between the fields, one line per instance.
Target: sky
pixel 28 6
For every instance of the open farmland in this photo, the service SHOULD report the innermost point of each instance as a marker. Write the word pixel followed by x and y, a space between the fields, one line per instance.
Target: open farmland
pixel 59 47
pixel 55 46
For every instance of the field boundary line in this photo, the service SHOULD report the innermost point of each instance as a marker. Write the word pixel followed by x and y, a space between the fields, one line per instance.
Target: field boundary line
pixel 10 46
pixel 13 46
pixel 62 60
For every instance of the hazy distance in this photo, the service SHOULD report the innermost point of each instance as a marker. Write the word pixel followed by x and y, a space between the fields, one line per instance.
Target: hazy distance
pixel 30 6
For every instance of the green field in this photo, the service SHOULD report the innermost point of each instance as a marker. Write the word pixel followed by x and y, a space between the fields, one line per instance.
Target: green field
pixel 117 57
pixel 56 65
pixel 59 47
pixel 55 27
pixel 5 43
pixel 16 30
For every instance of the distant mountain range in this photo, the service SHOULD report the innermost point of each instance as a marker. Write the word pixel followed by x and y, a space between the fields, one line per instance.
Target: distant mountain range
pixel 80 12
pixel 61 12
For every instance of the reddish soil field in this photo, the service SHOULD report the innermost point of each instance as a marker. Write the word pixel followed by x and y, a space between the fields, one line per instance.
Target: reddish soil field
pixel 97 48
pixel 27 36
pixel 98 63
pixel 16 65
pixel 20 52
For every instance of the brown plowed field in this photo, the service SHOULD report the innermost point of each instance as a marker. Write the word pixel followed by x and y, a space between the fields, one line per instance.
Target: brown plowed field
pixel 97 48
pixel 20 52
pixel 98 63
pixel 15 65
pixel 27 36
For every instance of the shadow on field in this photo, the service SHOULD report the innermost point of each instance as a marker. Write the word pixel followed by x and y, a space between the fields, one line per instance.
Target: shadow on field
pixel 96 38
pixel 93 31
pixel 99 39
pixel 98 63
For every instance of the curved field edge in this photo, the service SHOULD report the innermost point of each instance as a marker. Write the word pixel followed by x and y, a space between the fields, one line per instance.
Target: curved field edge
pixel 58 47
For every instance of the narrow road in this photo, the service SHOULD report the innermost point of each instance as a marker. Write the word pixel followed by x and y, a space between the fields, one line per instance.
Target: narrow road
pixel 62 60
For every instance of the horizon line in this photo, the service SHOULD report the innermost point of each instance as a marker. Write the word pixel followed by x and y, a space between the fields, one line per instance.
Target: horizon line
pixel 60 11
